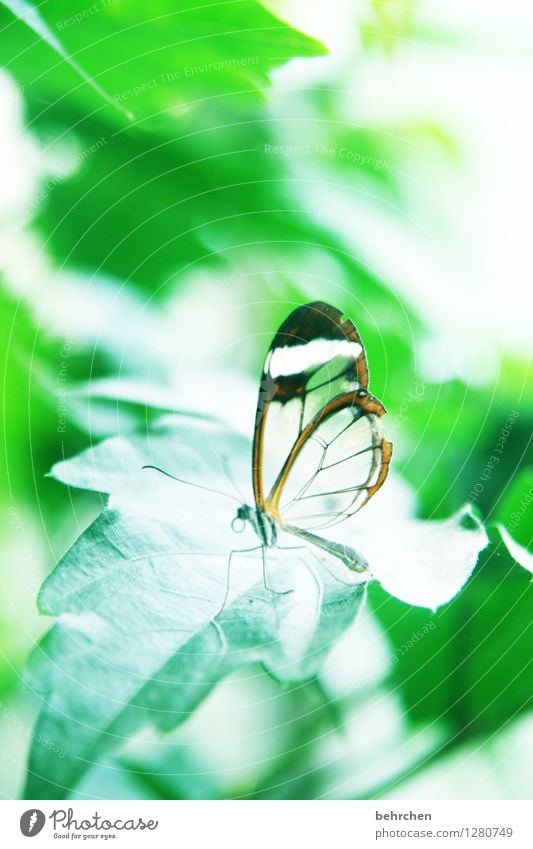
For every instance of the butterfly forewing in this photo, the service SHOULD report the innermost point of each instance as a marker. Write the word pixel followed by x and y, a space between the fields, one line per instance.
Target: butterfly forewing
pixel 319 452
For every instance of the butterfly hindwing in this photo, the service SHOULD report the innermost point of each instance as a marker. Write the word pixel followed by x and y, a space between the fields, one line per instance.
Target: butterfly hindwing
pixel 319 453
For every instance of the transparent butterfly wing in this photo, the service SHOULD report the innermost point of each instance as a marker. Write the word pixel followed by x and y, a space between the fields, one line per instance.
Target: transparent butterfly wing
pixel 319 452
pixel 341 463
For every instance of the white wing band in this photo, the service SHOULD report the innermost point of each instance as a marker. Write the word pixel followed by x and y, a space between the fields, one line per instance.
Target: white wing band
pixel 295 359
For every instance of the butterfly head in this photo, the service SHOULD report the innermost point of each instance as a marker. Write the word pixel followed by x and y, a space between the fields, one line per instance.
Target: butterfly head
pixel 242 517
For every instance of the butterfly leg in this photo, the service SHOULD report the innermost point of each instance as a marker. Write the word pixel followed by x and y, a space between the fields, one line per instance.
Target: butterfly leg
pixel 265 582
pixel 330 571
pixel 228 574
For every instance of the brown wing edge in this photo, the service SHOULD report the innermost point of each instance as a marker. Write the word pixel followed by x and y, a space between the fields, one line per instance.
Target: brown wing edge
pixel 370 406
pixel 314 320
pixel 318 320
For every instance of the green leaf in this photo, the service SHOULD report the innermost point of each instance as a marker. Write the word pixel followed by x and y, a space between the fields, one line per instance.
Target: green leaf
pixel 144 60
pixel 154 208
pixel 468 666
pixel 31 16
pixel 136 641
pixel 420 562
pixel 29 408
pixel 177 189
pixel 161 772
pixel 516 551
pixel 452 440
pixel 515 508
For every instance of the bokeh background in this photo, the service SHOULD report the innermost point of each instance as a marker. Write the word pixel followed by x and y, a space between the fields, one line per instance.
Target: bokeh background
pixel 175 179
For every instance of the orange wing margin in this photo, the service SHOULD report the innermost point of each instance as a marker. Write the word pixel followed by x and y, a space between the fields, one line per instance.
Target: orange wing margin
pixel 368 406
pixel 308 323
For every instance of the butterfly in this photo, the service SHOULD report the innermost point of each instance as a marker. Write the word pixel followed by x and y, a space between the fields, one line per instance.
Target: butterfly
pixel 318 453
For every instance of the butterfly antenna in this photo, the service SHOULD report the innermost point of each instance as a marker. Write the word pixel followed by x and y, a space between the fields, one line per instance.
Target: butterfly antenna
pixel 191 483
pixel 229 475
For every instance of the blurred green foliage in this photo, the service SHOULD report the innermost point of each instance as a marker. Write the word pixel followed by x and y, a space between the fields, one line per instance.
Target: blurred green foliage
pixel 165 155
pixel 468 670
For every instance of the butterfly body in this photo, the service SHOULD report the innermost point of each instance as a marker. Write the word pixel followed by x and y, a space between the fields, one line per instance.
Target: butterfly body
pixel 267 529
pixel 263 524
pixel 318 452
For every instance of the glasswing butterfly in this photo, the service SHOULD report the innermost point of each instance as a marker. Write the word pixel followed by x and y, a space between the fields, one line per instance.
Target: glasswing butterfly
pixel 318 453
pixel 318 450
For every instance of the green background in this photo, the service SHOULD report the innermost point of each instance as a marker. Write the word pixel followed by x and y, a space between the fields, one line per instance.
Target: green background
pixel 178 177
